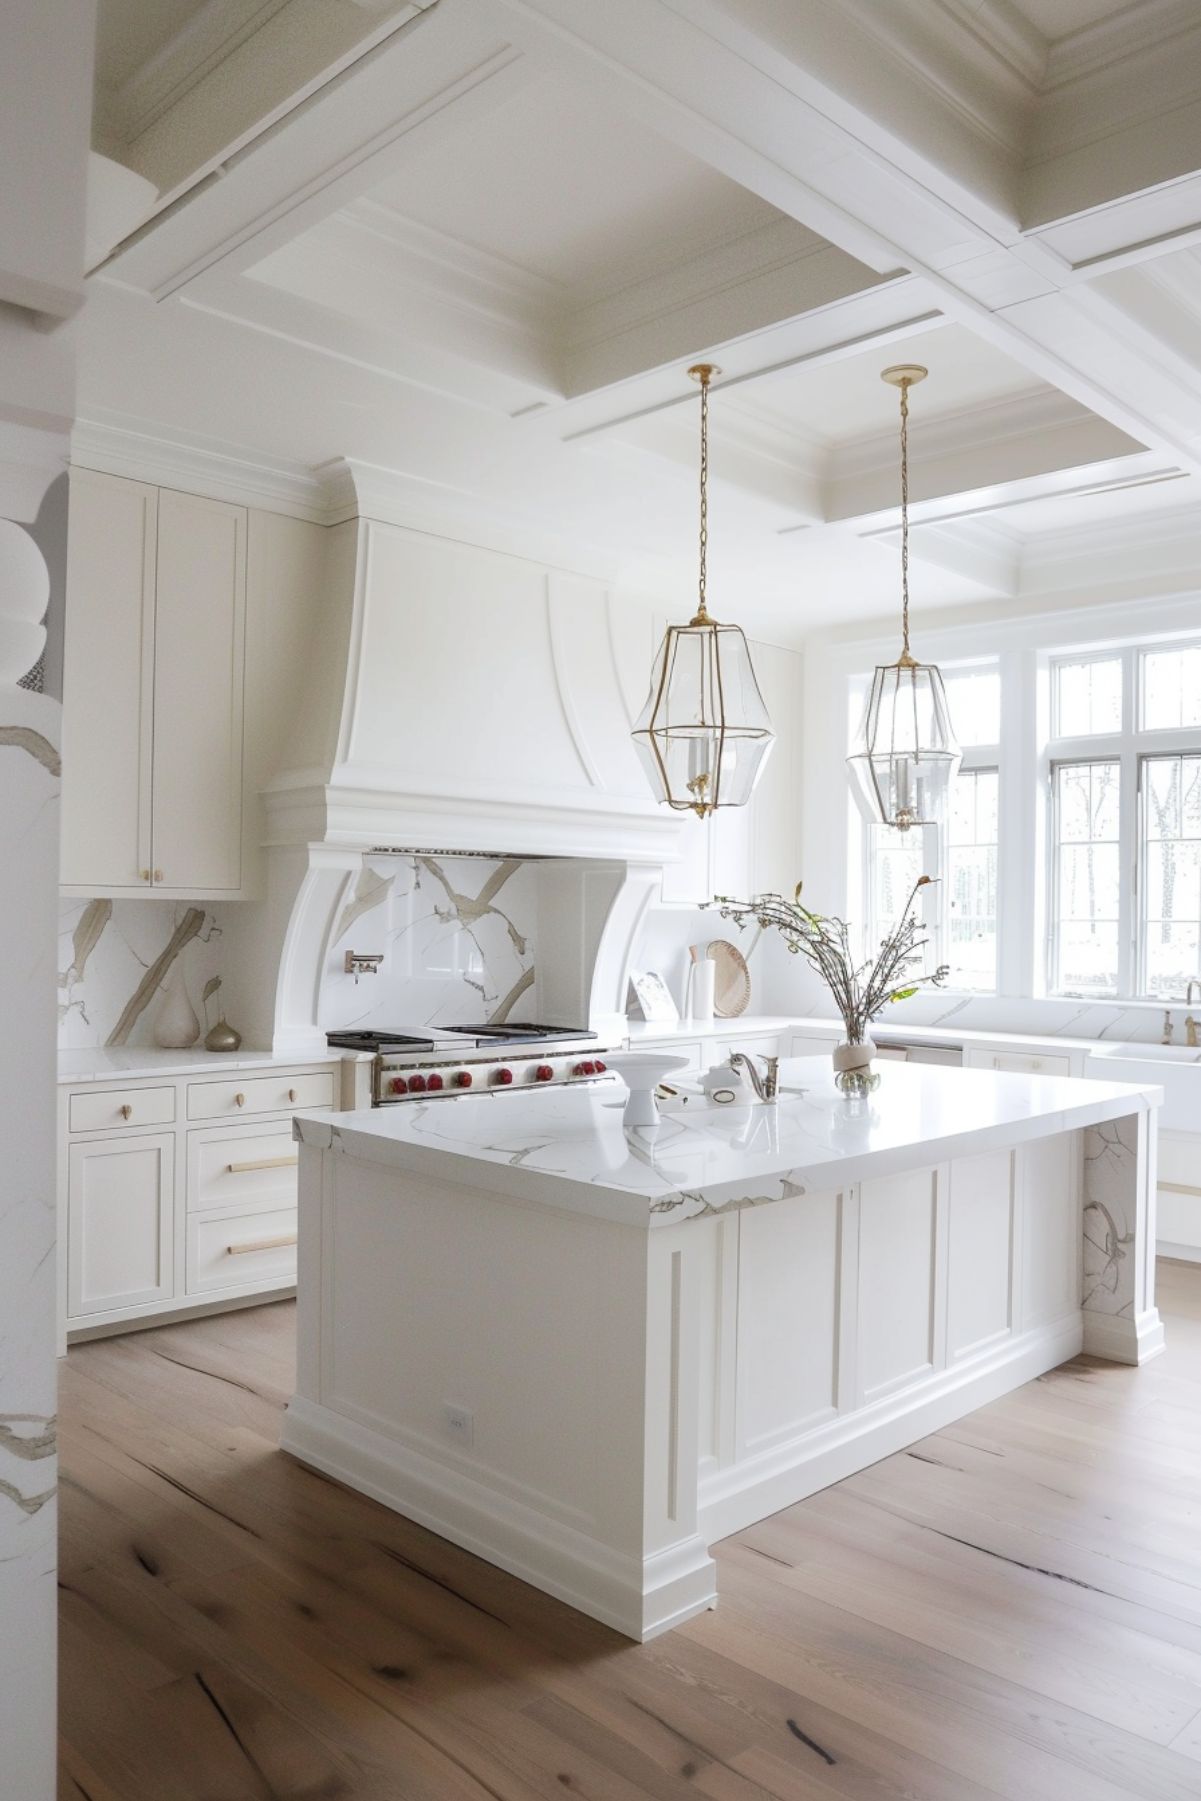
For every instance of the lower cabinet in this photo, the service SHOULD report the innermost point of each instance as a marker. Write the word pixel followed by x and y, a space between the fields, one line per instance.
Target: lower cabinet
pixel 1029 1063
pixel 120 1223
pixel 156 1221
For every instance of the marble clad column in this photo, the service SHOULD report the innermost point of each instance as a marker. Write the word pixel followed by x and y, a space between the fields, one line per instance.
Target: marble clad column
pixel 29 784
pixel 1120 1318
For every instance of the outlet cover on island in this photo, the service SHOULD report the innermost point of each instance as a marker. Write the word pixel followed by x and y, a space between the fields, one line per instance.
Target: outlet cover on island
pixel 459 1423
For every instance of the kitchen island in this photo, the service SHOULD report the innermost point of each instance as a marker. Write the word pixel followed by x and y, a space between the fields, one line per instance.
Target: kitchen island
pixel 587 1352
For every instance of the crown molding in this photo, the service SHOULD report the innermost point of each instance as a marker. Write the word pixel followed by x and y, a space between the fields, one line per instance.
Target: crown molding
pixel 145 453
pixel 214 32
pixel 1149 26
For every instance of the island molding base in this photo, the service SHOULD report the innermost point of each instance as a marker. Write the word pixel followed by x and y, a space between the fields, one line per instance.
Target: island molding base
pixel 639 1597
pixel 1122 1337
pixel 732 1498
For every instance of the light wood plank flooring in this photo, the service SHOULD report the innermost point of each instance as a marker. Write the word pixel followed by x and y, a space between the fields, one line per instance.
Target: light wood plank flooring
pixel 1011 1608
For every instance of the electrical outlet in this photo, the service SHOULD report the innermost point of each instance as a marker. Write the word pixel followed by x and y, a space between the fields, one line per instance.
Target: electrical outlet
pixel 459 1423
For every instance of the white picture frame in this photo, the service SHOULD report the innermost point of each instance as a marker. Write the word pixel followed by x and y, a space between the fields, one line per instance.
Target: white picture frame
pixel 654 997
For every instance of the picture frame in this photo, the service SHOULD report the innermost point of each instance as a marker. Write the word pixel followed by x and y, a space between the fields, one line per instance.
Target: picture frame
pixel 654 997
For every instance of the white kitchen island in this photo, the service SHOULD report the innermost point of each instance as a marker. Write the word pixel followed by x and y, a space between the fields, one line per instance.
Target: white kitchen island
pixel 586 1353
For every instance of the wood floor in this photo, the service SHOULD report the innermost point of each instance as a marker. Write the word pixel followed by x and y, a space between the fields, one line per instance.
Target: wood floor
pixel 1012 1608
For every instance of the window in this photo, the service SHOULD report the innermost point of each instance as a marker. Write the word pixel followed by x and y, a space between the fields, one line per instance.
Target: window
pixel 1170 888
pixel 1087 697
pixel 960 910
pixel 1171 688
pixel 1085 814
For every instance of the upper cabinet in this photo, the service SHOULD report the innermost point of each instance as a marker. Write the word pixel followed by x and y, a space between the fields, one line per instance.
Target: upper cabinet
pixel 153 685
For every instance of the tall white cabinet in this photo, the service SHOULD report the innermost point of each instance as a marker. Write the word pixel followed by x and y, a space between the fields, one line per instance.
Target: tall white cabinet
pixel 153 684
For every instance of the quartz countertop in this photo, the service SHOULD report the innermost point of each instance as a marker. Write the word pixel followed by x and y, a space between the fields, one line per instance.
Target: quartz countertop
pixel 568 1147
pixel 103 1063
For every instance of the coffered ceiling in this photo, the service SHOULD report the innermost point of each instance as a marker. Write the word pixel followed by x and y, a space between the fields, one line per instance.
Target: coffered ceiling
pixel 475 243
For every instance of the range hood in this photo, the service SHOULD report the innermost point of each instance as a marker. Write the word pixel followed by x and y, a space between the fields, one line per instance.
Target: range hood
pixel 471 700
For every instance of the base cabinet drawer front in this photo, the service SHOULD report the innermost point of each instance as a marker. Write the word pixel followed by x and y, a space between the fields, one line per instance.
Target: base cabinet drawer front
pixel 247 1169
pixel 802 1046
pixel 120 1223
pixel 229 1250
pixel 1026 1063
pixel 750 1047
pixel 1179 1161
pixel 117 1109
pixel 260 1094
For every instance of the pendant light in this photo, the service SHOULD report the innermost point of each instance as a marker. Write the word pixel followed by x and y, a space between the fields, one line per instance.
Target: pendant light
pixel 905 754
pixel 704 735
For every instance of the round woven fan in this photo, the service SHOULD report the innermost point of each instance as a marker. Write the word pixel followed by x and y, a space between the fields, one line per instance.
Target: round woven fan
pixel 732 983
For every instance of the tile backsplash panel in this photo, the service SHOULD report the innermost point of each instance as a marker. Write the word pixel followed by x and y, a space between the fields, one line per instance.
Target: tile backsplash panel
pixel 457 939
pixel 115 958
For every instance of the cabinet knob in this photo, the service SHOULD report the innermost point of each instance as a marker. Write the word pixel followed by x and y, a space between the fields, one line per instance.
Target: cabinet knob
pixel 240 1100
pixel 158 875
pixel 143 875
pixel 291 1094
pixel 125 1111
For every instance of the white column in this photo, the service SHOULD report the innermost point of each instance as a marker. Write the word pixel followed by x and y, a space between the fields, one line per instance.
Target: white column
pixel 29 784
pixel 1121 1321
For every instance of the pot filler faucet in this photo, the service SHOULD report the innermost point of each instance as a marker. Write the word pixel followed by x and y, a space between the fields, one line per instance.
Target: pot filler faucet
pixel 767 1085
pixel 1190 1024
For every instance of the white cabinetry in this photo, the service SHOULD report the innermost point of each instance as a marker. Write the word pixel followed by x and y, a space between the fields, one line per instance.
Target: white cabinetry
pixel 153 674
pixel 198 1213
pixel 1026 1063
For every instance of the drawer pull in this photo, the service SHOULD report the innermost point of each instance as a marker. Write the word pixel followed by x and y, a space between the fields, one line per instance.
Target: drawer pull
pixel 126 1111
pixel 1178 1188
pixel 239 1100
pixel 239 1169
pixel 261 1244
pixel 291 1094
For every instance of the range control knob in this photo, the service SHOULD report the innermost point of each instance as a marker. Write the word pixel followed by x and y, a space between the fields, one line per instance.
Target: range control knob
pixel 544 1073
pixel 398 1085
pixel 585 1069
pixel 464 1079
pixel 599 1067
pixel 433 1082
pixel 416 1084
pixel 502 1076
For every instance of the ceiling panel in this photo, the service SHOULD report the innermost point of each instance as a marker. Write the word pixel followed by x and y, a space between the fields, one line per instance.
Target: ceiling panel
pixel 1059 18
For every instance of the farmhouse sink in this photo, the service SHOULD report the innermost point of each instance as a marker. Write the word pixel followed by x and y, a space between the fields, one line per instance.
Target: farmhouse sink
pixel 1175 1067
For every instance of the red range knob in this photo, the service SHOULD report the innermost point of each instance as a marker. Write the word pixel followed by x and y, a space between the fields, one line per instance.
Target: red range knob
pixel 544 1073
pixel 588 1069
pixel 599 1067
pixel 398 1085
pixel 416 1084
pixel 464 1079
pixel 503 1076
pixel 434 1081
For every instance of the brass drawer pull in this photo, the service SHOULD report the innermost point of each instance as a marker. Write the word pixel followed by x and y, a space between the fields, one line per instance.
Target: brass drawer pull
pixel 1178 1188
pixel 239 1169
pixel 261 1244
pixel 291 1094
pixel 158 875
pixel 240 1100
pixel 126 1111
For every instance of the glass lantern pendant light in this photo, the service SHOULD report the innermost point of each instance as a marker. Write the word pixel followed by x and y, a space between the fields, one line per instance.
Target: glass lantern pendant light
pixel 905 754
pixel 704 735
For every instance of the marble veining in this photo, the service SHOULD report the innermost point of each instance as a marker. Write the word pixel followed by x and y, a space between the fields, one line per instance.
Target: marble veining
pixel 114 960
pixel 456 934
pixel 1110 1201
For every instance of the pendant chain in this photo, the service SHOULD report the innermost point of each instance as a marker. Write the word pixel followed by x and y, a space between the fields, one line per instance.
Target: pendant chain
pixel 704 489
pixel 905 518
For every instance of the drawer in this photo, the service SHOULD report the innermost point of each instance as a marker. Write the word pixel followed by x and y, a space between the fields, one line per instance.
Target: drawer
pixel 684 1047
pixel 232 1250
pixel 801 1045
pixel 751 1047
pixel 260 1094
pixel 1179 1162
pixel 1037 1063
pixel 118 1107
pixel 246 1170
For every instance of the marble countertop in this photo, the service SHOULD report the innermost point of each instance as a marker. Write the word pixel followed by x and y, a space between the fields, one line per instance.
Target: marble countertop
pixel 905 1032
pixel 102 1063
pixel 568 1147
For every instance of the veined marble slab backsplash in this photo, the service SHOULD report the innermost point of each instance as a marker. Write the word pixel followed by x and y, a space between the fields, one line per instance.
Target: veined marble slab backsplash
pixel 114 958
pixel 457 938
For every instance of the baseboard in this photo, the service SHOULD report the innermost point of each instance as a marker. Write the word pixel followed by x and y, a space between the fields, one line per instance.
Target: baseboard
pixel 177 1314
pixel 1178 1253
pixel 738 1495
pixel 638 1596
pixel 1123 1338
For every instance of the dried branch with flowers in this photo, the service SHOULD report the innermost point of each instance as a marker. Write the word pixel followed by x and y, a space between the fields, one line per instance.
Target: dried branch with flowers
pixel 863 989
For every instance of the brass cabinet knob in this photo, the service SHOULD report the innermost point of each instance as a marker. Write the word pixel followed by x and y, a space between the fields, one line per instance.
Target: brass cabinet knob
pixel 126 1111
pixel 158 875
pixel 240 1100
pixel 291 1094
pixel 143 875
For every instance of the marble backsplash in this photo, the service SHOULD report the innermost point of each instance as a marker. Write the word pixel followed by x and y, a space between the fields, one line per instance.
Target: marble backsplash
pixel 114 959
pixel 457 939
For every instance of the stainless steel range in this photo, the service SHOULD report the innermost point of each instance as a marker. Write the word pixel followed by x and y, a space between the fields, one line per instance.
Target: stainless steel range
pixel 440 1062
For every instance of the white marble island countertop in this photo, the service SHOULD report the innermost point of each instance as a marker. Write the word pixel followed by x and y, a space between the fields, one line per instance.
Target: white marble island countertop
pixel 568 1147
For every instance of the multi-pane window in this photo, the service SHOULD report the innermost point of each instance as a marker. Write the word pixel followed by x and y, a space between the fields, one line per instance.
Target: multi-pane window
pixel 1087 697
pixel 1170 890
pixel 971 879
pixel 960 907
pixel 1085 816
pixel 1171 685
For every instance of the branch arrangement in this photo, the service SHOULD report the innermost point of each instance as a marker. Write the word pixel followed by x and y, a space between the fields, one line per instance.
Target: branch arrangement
pixel 861 990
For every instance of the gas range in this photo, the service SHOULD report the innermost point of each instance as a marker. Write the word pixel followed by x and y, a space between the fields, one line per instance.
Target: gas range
pixel 442 1062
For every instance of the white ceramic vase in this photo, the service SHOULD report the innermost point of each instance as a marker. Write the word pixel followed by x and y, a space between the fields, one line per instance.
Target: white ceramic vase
pixel 176 1025
pixel 853 1059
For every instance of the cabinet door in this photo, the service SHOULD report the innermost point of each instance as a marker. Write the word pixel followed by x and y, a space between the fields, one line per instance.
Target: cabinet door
pixel 107 675
pixel 200 630
pixel 120 1223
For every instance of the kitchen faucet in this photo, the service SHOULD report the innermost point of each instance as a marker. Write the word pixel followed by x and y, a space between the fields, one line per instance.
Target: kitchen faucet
pixel 1168 1027
pixel 767 1085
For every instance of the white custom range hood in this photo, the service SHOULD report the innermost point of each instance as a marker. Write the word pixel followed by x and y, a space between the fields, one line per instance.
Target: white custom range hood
pixel 462 700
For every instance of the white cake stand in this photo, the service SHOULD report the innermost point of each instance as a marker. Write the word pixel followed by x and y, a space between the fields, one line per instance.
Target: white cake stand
pixel 642 1072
